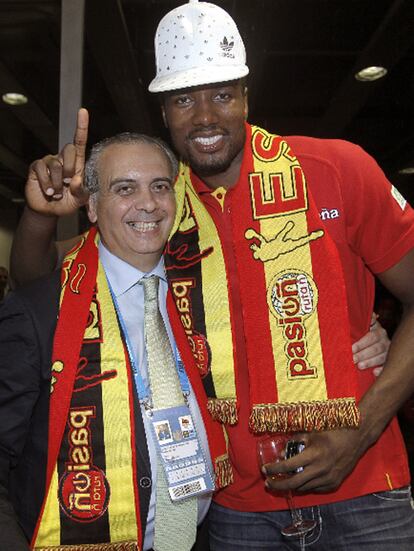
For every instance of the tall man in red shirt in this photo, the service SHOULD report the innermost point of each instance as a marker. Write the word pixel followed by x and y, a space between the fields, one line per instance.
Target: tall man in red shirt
pixel 247 233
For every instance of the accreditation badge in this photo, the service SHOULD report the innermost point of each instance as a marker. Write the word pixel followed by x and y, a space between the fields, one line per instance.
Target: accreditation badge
pixel 181 454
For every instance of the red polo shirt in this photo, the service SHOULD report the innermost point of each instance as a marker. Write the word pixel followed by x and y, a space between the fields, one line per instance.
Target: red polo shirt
pixel 373 230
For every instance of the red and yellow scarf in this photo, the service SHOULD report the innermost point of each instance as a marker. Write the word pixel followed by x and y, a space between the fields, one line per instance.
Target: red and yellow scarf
pixel 91 500
pixel 292 293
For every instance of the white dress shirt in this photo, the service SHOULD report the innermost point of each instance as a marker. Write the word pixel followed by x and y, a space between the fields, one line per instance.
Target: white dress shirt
pixel 124 281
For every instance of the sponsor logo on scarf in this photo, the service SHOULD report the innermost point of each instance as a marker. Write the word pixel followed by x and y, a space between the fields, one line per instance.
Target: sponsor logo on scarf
pixel 181 290
pixel 83 488
pixel 293 297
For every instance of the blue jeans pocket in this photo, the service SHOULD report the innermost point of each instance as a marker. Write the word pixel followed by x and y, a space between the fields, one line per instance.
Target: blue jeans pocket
pixel 399 494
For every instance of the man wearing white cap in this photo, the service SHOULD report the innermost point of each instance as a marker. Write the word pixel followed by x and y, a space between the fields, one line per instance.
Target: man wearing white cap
pixel 270 297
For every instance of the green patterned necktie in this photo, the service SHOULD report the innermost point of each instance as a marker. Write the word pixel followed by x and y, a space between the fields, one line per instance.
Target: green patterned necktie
pixel 175 522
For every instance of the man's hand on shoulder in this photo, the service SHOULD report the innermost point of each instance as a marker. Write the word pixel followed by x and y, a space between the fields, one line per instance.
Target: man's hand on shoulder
pixel 55 183
pixel 371 350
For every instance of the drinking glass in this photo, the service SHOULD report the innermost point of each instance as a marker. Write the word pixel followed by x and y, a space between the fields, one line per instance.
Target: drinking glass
pixel 275 448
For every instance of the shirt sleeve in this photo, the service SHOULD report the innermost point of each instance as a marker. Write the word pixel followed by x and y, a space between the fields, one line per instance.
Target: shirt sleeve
pixel 380 222
pixel 19 390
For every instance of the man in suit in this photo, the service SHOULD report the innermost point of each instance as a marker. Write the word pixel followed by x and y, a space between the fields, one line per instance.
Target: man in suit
pixel 77 452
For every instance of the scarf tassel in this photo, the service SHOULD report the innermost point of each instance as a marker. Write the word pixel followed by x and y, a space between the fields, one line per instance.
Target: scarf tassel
pixel 305 416
pixel 223 410
pixel 120 546
pixel 223 471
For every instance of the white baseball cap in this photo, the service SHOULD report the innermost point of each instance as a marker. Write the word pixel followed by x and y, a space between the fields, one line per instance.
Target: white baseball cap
pixel 197 43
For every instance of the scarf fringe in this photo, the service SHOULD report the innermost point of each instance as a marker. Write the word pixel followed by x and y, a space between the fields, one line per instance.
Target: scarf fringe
pixel 223 410
pixel 305 416
pixel 223 471
pixel 120 546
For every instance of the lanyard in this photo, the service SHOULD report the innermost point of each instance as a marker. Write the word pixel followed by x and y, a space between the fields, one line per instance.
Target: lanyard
pixel 142 388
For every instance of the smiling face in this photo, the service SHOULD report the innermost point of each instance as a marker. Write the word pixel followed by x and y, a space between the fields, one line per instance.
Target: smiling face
pixel 135 205
pixel 207 128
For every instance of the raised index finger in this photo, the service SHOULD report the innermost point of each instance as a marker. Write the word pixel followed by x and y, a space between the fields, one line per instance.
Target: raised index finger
pixel 80 140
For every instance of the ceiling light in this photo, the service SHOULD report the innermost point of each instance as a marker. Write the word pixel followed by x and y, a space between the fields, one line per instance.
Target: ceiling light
pixel 407 170
pixel 368 74
pixel 14 98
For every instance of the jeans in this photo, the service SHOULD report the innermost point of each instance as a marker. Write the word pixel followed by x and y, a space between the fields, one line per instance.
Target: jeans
pixel 375 522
